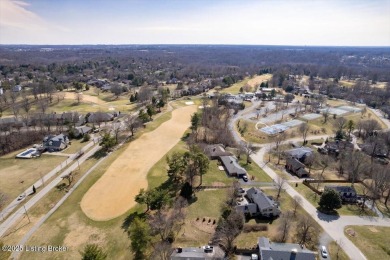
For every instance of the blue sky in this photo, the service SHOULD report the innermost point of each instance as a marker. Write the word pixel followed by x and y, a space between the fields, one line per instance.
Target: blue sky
pixel 269 22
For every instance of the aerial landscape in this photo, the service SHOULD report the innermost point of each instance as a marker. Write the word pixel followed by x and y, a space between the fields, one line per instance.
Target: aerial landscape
pixel 185 130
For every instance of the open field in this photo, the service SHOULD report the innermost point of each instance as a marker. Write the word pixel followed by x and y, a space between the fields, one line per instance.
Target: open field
pixel 69 226
pixel 329 128
pixel 257 80
pixel 13 171
pixel 112 196
pixel 253 82
pixel 372 241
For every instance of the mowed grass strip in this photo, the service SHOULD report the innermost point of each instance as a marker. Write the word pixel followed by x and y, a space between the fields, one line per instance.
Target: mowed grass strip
pixel 373 241
pixel 13 171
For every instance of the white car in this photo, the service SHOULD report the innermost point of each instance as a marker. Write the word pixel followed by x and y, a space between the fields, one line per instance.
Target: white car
pixel 254 257
pixel 324 252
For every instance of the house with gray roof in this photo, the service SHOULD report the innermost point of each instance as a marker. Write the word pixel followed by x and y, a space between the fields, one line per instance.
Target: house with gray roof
pixel 257 203
pixel 82 130
pixel 55 143
pixel 232 168
pixel 296 167
pixel 283 251
pixel 347 193
pixel 99 117
pixel 300 153
pixel 295 159
pixel 198 253
pixel 215 151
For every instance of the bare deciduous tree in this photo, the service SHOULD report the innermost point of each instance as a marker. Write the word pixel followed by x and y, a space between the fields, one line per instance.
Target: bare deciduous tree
pixel 229 228
pixel 305 230
pixel 78 96
pixel 165 223
pixel 280 184
pixel 325 115
pixel 284 226
pixel 304 130
pixel 297 200
pixel 162 251
pixel 132 122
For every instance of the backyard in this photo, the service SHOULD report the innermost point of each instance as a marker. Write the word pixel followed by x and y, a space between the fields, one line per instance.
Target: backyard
pixel 16 175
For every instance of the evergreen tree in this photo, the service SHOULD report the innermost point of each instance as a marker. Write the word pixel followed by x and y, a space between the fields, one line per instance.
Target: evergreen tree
pixel 139 234
pixel 330 200
pixel 93 252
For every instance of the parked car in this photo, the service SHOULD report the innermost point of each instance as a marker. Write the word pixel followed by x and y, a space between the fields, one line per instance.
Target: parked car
pixel 254 257
pixel 245 177
pixel 324 252
pixel 241 190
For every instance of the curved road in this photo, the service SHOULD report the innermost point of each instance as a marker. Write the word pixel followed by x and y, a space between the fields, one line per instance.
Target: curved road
pixel 333 225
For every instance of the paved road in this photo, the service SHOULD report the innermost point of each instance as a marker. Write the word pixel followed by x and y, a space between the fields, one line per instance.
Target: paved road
pixel 12 219
pixel 333 225
pixel 380 115
pixel 7 210
pixel 26 237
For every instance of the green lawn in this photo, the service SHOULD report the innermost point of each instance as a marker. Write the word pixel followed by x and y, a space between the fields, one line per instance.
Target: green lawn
pixel 75 146
pixel 371 240
pixel 254 170
pixel 332 250
pixel 215 175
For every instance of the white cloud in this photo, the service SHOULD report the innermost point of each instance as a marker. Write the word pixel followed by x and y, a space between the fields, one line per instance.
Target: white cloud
pixel 14 14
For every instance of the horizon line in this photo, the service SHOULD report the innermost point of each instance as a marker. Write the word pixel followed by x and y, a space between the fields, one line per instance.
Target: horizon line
pixel 194 44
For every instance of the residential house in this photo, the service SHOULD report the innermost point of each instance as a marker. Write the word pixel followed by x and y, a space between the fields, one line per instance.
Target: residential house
pixel 99 117
pixel 198 253
pixel 231 166
pixel 296 167
pixel 257 203
pixel 295 159
pixel 215 151
pixel 337 146
pixel 82 130
pixel 17 88
pixel 347 193
pixel 55 143
pixel 283 251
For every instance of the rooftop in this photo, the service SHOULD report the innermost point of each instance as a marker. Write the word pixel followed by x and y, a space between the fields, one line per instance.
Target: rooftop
pixel 231 165
pixel 347 189
pixel 283 251
pixel 198 253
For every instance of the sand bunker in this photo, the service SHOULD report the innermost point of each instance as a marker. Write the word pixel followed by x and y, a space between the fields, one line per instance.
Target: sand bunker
pixel 113 194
